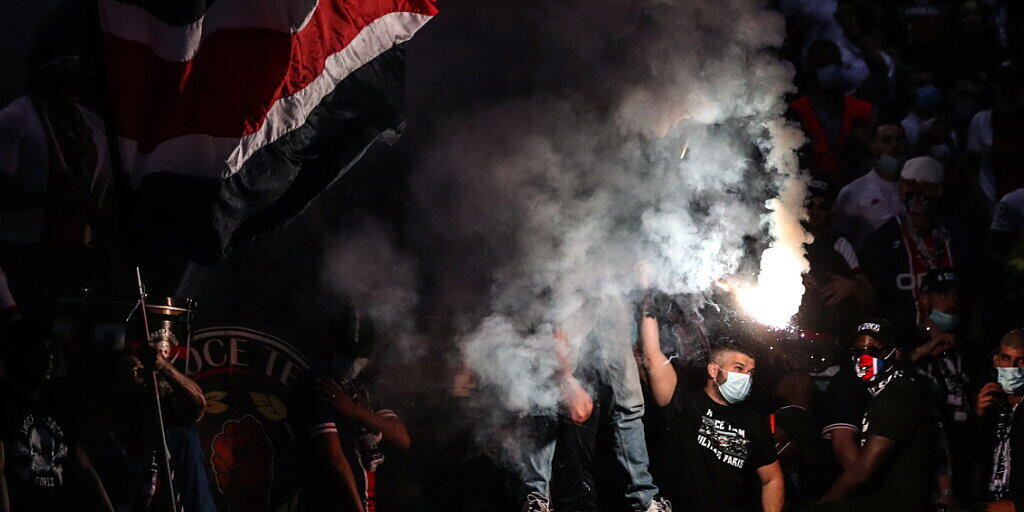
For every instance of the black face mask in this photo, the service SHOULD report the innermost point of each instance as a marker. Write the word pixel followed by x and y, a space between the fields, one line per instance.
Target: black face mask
pixel 918 203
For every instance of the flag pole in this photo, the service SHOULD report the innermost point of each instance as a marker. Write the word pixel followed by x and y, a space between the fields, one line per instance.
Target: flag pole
pixel 156 397
pixel 122 187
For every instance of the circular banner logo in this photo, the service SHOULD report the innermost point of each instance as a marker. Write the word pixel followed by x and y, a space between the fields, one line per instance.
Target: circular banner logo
pixel 246 376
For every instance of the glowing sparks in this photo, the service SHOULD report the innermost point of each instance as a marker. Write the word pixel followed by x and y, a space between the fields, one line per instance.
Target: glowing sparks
pixel 776 297
pixel 761 303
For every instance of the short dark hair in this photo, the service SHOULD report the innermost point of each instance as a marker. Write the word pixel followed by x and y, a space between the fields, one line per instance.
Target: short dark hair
pixel 1013 339
pixel 731 346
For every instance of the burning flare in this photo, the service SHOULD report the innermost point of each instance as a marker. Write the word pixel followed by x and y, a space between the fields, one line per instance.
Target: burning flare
pixel 776 297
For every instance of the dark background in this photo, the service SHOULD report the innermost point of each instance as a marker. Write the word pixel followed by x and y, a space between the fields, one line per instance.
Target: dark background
pixel 475 53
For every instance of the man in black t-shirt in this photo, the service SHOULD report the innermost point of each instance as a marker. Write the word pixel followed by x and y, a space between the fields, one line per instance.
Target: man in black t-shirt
pixel 841 411
pixel 996 405
pixel 44 469
pixel 892 468
pixel 721 446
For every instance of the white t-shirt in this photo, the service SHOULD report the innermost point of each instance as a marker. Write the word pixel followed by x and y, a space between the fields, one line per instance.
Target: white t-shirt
pixel 865 204
pixel 979 144
pixel 25 157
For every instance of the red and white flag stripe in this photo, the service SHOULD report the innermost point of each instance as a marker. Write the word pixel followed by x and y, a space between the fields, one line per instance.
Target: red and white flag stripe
pixel 200 99
pixel 181 43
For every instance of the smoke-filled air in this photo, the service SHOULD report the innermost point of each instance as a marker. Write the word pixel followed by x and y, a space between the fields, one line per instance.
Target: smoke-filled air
pixel 656 151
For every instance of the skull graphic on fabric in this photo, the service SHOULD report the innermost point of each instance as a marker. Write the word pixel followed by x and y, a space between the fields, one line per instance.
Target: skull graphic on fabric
pixel 40 452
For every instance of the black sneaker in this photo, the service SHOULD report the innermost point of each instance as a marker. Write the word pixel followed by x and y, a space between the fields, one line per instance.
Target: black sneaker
pixel 536 503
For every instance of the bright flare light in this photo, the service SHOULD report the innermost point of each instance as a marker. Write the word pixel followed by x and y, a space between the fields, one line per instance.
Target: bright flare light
pixel 776 297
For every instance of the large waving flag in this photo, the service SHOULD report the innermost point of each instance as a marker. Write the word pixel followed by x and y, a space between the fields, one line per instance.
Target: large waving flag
pixel 231 115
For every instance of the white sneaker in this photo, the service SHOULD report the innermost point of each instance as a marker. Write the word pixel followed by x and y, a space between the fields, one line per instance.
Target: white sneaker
pixel 660 505
pixel 536 503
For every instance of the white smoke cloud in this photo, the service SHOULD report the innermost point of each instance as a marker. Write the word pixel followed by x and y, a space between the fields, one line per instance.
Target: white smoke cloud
pixel 540 204
pixel 564 191
pixel 373 275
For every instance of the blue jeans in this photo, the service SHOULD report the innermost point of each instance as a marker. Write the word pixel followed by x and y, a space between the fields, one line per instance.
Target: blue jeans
pixel 608 357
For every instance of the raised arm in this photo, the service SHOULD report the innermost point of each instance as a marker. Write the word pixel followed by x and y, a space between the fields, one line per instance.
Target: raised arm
pixel 660 373
pixel 188 398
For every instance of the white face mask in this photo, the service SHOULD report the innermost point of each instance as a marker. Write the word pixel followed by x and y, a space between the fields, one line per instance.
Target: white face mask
pixel 1011 379
pixel 736 386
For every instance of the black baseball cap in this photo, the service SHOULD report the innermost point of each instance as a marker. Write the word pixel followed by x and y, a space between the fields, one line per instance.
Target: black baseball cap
pixel 940 280
pixel 878 328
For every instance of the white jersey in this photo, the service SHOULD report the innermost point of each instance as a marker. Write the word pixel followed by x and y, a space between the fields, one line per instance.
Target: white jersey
pixel 865 204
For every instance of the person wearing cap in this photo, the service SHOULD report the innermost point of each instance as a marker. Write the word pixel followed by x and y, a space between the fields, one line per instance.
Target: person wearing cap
pixel 940 296
pixel 907 246
pixel 892 469
pixel 837 292
pixel 870 200
pixel 939 359
pixel 997 405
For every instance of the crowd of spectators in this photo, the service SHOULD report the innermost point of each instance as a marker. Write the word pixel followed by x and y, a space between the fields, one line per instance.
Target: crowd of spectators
pixel 899 389
pixel 896 390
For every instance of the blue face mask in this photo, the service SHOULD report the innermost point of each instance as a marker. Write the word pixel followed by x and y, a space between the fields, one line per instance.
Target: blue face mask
pixel 944 321
pixel 830 78
pixel 890 165
pixel 1011 379
pixel 736 386
pixel 928 98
